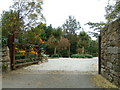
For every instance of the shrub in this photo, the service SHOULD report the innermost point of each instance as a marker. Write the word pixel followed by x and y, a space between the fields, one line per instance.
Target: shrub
pixel 95 54
pixel 64 53
pixel 81 56
pixel 88 56
pixel 55 55
pixel 77 56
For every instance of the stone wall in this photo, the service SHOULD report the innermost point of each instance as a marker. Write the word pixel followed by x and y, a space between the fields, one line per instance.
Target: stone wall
pixel 5 60
pixel 110 52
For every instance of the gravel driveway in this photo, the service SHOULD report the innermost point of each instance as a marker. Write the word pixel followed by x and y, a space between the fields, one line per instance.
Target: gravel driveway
pixel 68 64
pixel 56 73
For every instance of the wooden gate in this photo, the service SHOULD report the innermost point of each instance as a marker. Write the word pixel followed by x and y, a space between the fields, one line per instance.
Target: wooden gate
pixel 28 54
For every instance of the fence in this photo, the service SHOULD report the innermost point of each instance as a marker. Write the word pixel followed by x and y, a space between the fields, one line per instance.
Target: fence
pixel 23 54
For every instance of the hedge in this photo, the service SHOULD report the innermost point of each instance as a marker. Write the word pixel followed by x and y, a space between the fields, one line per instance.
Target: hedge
pixel 81 56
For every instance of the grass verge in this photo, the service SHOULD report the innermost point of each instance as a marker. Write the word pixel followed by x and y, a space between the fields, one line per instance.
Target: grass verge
pixel 103 83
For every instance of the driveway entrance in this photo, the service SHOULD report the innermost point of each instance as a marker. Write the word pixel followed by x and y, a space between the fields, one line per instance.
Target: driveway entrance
pixel 56 73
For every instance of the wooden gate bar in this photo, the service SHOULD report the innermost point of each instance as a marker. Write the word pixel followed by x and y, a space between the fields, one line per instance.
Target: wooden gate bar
pixel 23 59
pixel 21 64
pixel 27 59
pixel 13 52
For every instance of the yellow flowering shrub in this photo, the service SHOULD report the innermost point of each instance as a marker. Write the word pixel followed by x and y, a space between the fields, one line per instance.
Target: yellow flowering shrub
pixel 33 52
pixel 22 51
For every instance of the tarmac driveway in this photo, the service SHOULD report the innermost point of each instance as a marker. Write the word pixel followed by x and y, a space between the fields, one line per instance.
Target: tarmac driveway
pixel 56 73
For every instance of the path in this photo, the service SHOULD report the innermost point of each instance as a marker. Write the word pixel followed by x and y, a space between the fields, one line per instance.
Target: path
pixel 68 64
pixel 56 73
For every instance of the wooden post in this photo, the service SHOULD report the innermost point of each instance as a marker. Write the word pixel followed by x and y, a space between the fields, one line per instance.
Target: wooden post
pixel 12 51
pixel 99 59
pixel 10 47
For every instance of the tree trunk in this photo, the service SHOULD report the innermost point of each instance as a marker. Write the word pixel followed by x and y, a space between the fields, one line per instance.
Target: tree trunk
pixel 55 50
pixel 83 50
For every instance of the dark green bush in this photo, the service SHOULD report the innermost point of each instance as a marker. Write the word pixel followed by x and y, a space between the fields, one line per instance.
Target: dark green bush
pixel 64 53
pixel 95 54
pixel 55 55
pixel 88 56
pixel 77 56
pixel 81 56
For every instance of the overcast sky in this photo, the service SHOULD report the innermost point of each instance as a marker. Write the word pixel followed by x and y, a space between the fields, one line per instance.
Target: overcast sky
pixel 57 11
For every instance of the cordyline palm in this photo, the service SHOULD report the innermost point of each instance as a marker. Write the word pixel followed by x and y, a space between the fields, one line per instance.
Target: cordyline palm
pixel 57 35
pixel 53 41
pixel 83 40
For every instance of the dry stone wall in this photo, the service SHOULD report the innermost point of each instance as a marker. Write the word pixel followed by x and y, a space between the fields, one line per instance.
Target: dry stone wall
pixel 110 52
pixel 5 60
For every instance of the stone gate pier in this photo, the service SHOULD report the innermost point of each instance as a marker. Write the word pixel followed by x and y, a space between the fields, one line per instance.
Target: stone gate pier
pixel 110 52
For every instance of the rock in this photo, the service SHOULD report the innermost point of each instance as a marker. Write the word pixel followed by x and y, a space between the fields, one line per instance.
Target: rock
pixel 39 62
pixel 110 52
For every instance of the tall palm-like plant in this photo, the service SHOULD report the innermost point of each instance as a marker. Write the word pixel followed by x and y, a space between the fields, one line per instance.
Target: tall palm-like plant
pixel 84 39
pixel 53 41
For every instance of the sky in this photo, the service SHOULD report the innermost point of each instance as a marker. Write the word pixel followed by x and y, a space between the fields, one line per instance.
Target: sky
pixel 57 11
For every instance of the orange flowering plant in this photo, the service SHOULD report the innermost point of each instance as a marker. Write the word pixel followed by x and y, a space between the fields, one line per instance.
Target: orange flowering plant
pixel 34 34
pixel 40 40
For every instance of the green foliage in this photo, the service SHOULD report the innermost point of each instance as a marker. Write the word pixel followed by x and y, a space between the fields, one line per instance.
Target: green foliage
pixel 64 53
pixel 83 41
pixel 53 41
pixel 92 48
pixel 81 56
pixel 77 56
pixel 57 33
pixel 49 51
pixel 4 41
pixel 33 35
pixel 112 11
pixel 48 31
pixel 10 23
pixel 73 39
pixel 88 56
pixel 112 14
pixel 96 27
pixel 55 55
pixel 71 25
pixel 30 11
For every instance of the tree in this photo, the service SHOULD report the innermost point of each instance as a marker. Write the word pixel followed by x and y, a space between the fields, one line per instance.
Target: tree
pixel 71 25
pixel 29 11
pixel 63 43
pixel 112 11
pixel 92 48
pixel 69 31
pixel 112 14
pixel 40 31
pixel 64 47
pixel 10 23
pixel 57 33
pixel 48 31
pixel 83 42
pixel 97 27
pixel 53 41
